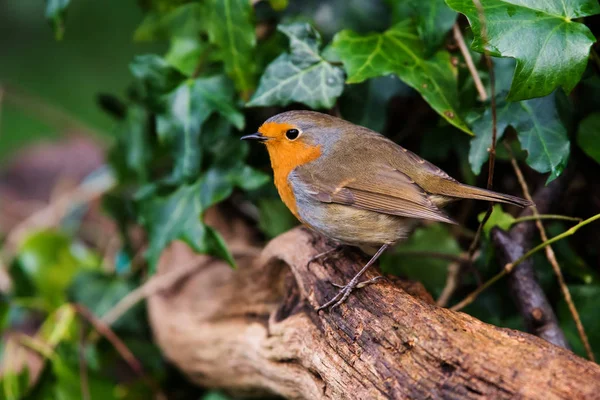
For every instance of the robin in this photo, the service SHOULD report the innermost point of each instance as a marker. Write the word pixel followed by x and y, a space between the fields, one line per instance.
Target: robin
pixel 355 186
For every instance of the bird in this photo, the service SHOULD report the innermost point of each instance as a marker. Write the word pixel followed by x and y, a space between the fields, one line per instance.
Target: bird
pixel 357 187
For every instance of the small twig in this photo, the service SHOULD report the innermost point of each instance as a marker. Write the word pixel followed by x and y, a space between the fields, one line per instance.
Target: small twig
pixel 545 216
pixel 460 41
pixel 475 293
pixel 158 283
pixel 453 280
pixel 492 149
pixel 154 285
pixel 569 232
pixel 509 266
pixel 552 257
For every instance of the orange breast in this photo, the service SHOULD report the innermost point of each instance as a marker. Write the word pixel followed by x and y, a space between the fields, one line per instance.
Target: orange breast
pixel 284 158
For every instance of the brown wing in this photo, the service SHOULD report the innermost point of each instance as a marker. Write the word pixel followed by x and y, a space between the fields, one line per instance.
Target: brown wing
pixel 388 191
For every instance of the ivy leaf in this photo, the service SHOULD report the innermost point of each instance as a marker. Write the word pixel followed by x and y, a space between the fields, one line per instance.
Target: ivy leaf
pixel 49 261
pixel 400 51
pixel 588 136
pixel 302 75
pixel 55 13
pixel 540 131
pixel 100 292
pixel 433 19
pixel 187 108
pixel 550 47
pixel 155 73
pixel 498 218
pixel 482 128
pixel 231 29
pixel 132 153
pixel 366 104
pixel 178 215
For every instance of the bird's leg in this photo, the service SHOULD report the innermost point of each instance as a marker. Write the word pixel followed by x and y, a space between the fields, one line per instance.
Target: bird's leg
pixel 354 283
pixel 325 254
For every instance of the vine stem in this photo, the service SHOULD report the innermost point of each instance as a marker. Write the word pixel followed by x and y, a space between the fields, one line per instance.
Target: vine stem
pixel 460 41
pixel 545 216
pixel 551 256
pixel 509 267
pixel 492 149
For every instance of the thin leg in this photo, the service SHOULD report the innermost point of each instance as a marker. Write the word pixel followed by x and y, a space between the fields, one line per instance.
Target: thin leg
pixel 346 290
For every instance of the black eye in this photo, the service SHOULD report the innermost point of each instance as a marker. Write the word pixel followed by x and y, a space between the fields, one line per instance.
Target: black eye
pixel 292 134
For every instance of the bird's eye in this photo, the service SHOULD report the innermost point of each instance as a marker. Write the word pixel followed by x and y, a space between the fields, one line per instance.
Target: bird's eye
pixel 292 134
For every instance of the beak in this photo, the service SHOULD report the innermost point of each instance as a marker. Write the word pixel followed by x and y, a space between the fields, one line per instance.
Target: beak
pixel 255 136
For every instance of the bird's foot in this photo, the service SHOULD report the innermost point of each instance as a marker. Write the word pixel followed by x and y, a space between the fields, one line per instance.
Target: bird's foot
pixel 345 291
pixel 325 255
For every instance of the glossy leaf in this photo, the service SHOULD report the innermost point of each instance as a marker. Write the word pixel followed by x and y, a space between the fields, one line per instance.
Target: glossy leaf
pixel 588 136
pixel 433 19
pixel 498 218
pixel 540 131
pixel 187 109
pixel 302 75
pixel 55 13
pixel 400 51
pixel 550 47
pixel 231 29
pixel 155 74
pixel 178 215
pixel 50 260
pixel 366 104
pixel 100 292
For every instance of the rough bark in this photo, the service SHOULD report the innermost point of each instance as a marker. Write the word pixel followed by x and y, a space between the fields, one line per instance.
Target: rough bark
pixel 254 332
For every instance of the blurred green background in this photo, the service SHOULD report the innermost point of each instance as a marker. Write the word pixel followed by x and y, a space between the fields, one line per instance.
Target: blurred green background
pixel 38 73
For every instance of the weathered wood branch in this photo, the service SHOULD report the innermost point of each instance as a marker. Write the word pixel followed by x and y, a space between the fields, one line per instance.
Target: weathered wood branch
pixel 254 332
pixel 527 293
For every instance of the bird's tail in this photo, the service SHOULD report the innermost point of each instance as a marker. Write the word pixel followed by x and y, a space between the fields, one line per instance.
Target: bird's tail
pixel 472 192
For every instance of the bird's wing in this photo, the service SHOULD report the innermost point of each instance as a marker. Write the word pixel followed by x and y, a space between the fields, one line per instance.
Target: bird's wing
pixel 387 191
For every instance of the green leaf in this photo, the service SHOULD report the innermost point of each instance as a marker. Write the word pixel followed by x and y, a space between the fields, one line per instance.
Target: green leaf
pixel 187 109
pixel 178 215
pixel 431 271
pixel 132 154
pixel 184 53
pixel 100 292
pixel 184 20
pixel 366 104
pixel 302 75
pixel 588 136
pixel 540 131
pixel 400 51
pixel 433 19
pixel 155 74
pixel 50 261
pixel 231 29
pixel 550 47
pixel 55 13
pixel 498 218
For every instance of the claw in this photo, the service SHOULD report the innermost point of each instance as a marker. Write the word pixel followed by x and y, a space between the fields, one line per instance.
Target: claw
pixel 345 291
